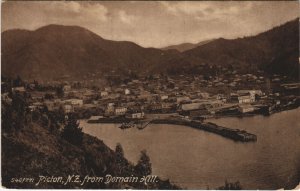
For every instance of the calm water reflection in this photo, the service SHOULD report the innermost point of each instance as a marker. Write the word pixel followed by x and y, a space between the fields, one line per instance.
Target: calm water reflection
pixel 197 159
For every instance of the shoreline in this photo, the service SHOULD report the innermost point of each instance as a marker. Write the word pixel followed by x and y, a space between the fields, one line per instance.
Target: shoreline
pixel 279 110
pixel 119 120
pixel 227 132
pixel 233 134
pixel 244 147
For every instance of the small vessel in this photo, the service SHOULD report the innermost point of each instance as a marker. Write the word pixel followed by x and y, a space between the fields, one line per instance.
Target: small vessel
pixel 127 125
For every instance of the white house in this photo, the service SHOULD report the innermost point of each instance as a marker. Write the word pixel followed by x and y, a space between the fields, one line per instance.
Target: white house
pixel 135 115
pixel 246 99
pixel 127 91
pixel 18 89
pixel 120 110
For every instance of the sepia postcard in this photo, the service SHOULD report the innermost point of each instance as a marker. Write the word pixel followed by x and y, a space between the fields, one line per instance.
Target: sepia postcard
pixel 150 95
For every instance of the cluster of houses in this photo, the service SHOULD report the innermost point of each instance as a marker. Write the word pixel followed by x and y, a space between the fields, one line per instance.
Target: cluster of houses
pixel 133 99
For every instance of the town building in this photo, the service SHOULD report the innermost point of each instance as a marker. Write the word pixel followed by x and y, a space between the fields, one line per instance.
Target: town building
pixel 103 93
pixel 127 91
pixel 74 102
pixel 192 106
pixel 182 99
pixel 251 92
pixel 50 105
pixel 203 95
pixel 135 115
pixel 163 97
pixel 68 108
pixel 120 111
pixel 67 88
pixel 19 89
pixel 246 99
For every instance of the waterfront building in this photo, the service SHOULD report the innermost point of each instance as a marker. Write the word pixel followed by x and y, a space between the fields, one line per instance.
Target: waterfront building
pixel 192 106
pixel 96 117
pixel 120 111
pixel 135 115
pixel 246 99
pixel 246 108
pixel 155 107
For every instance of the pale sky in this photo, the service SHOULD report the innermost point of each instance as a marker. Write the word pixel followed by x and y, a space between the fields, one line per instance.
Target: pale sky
pixel 156 23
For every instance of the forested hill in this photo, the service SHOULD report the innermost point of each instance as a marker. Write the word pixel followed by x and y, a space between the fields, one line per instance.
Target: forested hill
pixel 275 51
pixel 54 50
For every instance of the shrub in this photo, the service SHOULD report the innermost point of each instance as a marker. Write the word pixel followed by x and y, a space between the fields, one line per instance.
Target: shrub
pixel 119 150
pixel 231 186
pixel 72 132
pixel 143 166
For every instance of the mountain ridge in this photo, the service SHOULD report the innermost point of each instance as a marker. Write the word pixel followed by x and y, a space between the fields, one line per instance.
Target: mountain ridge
pixel 256 52
pixel 186 46
pixel 70 48
pixel 55 50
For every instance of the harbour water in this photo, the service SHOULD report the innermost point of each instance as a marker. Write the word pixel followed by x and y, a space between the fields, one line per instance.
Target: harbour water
pixel 196 159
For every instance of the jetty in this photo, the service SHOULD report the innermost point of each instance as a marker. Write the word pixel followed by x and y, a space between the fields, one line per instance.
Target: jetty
pixel 234 134
pixel 143 125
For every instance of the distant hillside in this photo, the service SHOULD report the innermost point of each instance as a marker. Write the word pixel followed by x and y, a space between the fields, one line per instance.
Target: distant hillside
pixel 53 51
pixel 185 46
pixel 275 51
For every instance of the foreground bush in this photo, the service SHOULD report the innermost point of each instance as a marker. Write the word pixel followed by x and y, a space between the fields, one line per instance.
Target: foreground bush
pixel 72 132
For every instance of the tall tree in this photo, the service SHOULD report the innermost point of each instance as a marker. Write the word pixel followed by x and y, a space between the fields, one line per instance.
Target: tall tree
pixel 18 81
pixel 143 166
pixel 72 132
pixel 60 91
pixel 119 150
